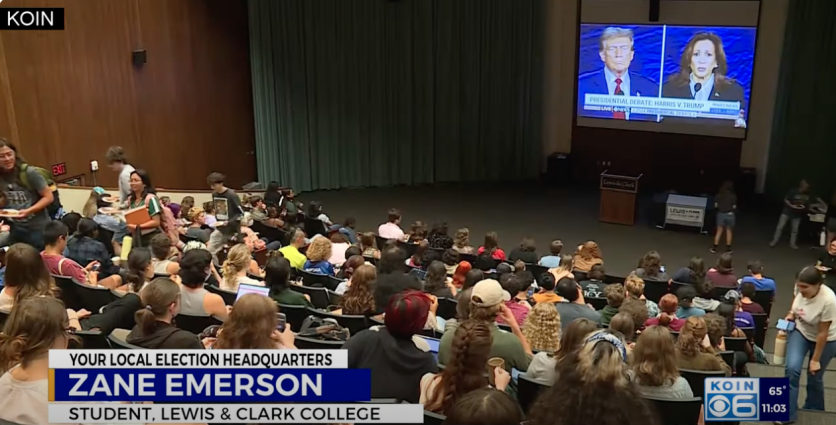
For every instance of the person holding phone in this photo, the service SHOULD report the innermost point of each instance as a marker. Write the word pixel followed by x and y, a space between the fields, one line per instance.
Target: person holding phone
pixel 814 315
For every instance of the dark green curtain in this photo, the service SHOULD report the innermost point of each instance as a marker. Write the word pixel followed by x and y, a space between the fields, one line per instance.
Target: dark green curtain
pixel 353 93
pixel 803 141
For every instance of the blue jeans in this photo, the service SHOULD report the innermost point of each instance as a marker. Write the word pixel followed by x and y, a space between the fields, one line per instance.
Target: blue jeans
pixel 797 348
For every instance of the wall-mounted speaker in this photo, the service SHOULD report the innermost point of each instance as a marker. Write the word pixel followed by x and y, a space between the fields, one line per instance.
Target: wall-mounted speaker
pixel 654 11
pixel 139 57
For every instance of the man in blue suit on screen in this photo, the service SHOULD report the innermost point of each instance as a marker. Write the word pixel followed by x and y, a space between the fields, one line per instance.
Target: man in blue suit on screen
pixel 615 47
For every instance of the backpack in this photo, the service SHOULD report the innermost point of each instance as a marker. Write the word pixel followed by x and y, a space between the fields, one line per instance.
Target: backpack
pixel 54 208
pixel 167 222
pixel 323 329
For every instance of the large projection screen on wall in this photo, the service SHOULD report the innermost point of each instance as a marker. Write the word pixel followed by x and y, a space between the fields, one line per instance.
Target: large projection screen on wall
pixel 666 78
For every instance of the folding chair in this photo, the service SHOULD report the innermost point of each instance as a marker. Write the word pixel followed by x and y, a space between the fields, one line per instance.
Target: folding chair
pixel 654 290
pixel 528 390
pixel 195 324
pixel 679 411
pixel 319 296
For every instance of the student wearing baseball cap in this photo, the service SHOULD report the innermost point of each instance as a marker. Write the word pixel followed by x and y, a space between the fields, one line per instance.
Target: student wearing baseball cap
pixel 487 300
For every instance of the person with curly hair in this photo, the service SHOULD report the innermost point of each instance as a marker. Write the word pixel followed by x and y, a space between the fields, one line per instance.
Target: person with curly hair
pixel 667 318
pixel 465 371
pixel 651 268
pixel 358 298
pixel 593 388
pixel 542 328
pixel 653 366
pixel 637 310
pixel 438 237
pixel 587 256
pixel 318 253
pixel 635 290
pixel 572 337
pixel 615 297
pixel 694 351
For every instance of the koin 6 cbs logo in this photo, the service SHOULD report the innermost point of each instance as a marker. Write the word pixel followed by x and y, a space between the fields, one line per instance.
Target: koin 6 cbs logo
pixel 731 399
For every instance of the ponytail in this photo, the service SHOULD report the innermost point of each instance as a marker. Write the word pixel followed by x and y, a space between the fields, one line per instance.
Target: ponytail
pixel 665 319
pixel 156 297
pixel 138 261
pixel 237 259
pixel 230 274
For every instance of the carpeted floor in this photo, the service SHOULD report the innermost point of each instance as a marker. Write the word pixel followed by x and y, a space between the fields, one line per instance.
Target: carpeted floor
pixel 517 211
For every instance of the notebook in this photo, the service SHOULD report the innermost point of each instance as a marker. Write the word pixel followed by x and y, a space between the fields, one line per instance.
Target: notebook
pixel 137 216
pixel 244 289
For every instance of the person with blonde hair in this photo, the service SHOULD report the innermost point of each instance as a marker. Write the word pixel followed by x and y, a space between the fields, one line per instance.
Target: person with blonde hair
pixel 694 351
pixel 253 325
pixel 542 328
pixel 587 256
pixel 34 327
pixel 653 366
pixel 635 290
pixel 543 364
pixel 461 242
pixel 593 388
pixel 318 253
pixel 197 219
pixel 235 268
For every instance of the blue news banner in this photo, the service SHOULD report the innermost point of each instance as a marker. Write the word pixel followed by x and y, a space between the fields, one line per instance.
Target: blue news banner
pixel 747 399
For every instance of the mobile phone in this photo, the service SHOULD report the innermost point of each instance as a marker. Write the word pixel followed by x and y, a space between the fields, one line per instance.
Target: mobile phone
pixel 96 267
pixel 282 319
pixel 662 269
pixel 785 325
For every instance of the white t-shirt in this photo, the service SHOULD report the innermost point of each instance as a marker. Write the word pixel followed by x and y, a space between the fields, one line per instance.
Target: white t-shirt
pixel 390 231
pixel 809 312
pixel 125 182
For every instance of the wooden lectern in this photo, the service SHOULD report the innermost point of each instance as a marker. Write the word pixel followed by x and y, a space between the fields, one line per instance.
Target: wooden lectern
pixel 618 198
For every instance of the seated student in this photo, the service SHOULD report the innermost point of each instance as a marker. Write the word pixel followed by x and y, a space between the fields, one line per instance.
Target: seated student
pixel 253 325
pixel 339 245
pixel 437 283
pixel 722 274
pixel 195 300
pixel 518 304
pixel 417 232
pixel 55 240
pixel 491 246
pixel 635 290
pixel 235 269
pixel 438 237
pixel 358 298
pixel 318 253
pixel 466 370
pixel 757 279
pixel 486 302
pixel 163 252
pixel 37 325
pixel 450 258
pixel 705 296
pixel 637 311
pixel 615 297
pixel 542 328
pixel 573 305
pixel 461 243
pixel 686 309
pixel 546 294
pixel 623 323
pixel 553 259
pixel 593 388
pixel 154 328
pixel 195 230
pixel 747 291
pixel 525 252
pixel 693 349
pixel 694 273
pixel 485 406
pixel 651 268
pixel 390 350
pixel 572 337
pixel 653 366
pixel 209 214
pixel 277 277
pixel 347 271
pixel 139 271
pixel 368 245
pixel 594 286
pixel 667 317
pixel 252 240
pixel 84 248
pixel 259 213
pixel 416 260
pixel 587 256
pixel 292 253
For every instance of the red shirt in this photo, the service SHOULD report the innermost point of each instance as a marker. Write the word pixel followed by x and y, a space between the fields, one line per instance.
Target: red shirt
pixel 65 268
pixel 675 324
pixel 753 308
pixel 498 254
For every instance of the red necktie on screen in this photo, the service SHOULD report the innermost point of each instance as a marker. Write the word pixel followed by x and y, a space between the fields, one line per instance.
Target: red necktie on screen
pixel 618 92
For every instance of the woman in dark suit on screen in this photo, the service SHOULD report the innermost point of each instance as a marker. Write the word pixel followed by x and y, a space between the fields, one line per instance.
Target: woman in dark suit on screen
pixel 702 74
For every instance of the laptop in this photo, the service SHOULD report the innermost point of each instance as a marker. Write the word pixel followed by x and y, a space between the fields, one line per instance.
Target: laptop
pixel 244 289
pixel 433 343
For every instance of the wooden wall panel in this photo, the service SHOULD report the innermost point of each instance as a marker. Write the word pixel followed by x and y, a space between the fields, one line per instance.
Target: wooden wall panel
pixel 74 93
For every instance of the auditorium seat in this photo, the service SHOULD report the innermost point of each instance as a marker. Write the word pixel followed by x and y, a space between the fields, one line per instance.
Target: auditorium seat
pixel 681 411
pixel 354 323
pixel 431 418
pixel 66 292
pixel 470 258
pixel 195 324
pixel 599 303
pixel 579 275
pixel 296 315
pixel 91 340
pixel 728 357
pixel 315 226
pixel 536 271
pixel 408 248
pixel 761 326
pixel 106 237
pixel 720 293
pixel 304 343
pixel 676 286
pixel 381 241
pixel 118 340
pixel 446 308
pixel 318 280
pixel 765 299
pixel 228 296
pixel 318 296
pixel 696 378
pixel 655 289
pixel 91 298
pixel 609 279
pixel 528 390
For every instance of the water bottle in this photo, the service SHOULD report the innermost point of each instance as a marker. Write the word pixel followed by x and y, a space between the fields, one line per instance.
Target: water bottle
pixel 780 349
pixel 127 241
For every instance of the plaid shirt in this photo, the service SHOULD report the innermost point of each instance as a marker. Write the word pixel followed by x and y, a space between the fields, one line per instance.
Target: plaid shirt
pixel 84 250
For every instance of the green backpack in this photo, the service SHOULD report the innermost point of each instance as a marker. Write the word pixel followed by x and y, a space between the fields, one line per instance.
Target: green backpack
pixel 54 208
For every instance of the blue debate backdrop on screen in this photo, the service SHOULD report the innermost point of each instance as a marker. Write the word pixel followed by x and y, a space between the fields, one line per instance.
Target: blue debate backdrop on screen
pixel 713 87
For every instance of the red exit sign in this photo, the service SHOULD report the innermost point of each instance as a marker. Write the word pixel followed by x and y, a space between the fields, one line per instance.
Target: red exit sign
pixel 59 169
